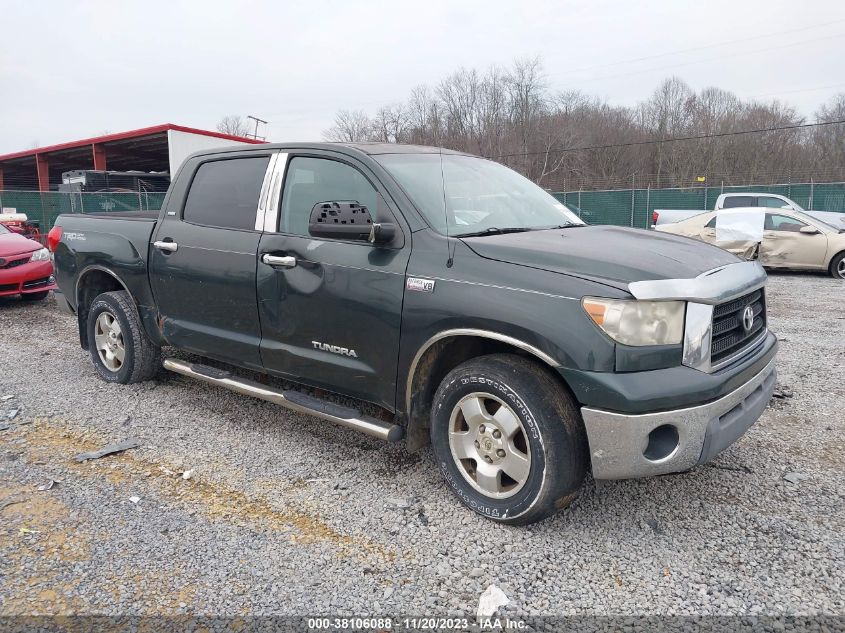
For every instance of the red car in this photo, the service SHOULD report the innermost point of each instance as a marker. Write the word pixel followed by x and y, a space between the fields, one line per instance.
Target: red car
pixel 25 267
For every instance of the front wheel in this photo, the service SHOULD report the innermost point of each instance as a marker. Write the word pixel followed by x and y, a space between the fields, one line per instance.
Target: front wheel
pixel 837 266
pixel 508 438
pixel 120 348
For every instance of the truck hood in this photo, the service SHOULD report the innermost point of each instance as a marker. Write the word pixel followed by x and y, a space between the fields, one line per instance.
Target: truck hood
pixel 16 244
pixel 611 255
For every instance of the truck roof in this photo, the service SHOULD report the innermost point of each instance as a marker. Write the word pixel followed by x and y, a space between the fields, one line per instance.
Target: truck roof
pixel 752 193
pixel 395 148
pixel 364 148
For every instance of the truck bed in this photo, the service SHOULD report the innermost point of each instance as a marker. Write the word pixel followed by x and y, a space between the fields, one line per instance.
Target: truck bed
pixel 115 243
pixel 118 215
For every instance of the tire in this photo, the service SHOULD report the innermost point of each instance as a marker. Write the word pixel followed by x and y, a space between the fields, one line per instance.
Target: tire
pixel 837 266
pixel 35 296
pixel 550 435
pixel 127 354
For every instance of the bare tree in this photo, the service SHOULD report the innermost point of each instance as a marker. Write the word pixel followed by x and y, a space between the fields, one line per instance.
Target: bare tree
pixel 234 124
pixel 423 118
pixel 350 127
pixel 389 124
pixel 570 140
pixel 526 90
pixel 829 140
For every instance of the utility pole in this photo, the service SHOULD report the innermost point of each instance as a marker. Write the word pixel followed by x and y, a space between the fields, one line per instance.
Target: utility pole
pixel 255 133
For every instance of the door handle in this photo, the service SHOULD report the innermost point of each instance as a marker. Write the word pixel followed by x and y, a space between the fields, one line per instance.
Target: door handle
pixel 276 260
pixel 170 247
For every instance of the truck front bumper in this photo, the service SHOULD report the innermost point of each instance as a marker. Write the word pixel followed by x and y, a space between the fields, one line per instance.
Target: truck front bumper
pixel 625 446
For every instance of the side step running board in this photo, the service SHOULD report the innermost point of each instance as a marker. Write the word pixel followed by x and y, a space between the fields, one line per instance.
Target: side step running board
pixel 293 400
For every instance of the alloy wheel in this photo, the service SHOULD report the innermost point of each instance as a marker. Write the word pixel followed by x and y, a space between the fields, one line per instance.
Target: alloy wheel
pixel 489 445
pixel 108 340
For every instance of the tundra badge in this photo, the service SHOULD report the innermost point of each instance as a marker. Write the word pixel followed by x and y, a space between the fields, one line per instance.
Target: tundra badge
pixel 334 349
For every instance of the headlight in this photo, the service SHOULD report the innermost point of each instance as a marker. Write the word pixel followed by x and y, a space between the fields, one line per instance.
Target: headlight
pixel 40 255
pixel 633 322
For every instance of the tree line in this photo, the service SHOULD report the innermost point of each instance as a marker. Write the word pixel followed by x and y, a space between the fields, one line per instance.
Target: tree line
pixel 512 115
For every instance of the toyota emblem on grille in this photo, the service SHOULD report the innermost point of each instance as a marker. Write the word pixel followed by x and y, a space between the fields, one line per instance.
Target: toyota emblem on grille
pixel 747 319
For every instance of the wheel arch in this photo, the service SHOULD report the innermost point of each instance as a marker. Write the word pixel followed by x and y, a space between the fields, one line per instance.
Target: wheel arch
pixel 93 281
pixel 443 352
pixel 832 261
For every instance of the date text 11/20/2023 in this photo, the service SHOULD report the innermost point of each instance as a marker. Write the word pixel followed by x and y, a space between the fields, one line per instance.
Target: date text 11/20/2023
pixel 414 624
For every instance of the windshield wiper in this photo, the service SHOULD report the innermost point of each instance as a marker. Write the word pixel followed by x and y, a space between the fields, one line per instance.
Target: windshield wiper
pixel 495 230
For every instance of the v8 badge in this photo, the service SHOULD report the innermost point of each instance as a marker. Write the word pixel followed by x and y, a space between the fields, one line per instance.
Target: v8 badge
pixel 419 284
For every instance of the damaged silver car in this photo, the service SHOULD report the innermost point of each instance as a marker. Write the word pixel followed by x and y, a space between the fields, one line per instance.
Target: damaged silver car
pixel 791 240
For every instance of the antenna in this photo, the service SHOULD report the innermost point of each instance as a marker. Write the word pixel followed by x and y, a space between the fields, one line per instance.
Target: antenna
pixel 255 133
pixel 449 240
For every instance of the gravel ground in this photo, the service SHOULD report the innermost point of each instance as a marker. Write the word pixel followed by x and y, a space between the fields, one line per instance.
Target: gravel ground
pixel 285 514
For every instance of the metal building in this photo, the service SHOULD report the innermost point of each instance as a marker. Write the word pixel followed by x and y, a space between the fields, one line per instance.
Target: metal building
pixel 160 148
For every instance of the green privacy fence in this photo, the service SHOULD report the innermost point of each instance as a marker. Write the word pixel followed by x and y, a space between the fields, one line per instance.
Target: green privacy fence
pixel 633 207
pixel 624 207
pixel 44 206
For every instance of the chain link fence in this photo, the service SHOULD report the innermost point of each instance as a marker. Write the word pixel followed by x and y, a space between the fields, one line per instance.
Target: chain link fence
pixel 43 207
pixel 623 207
pixel 633 207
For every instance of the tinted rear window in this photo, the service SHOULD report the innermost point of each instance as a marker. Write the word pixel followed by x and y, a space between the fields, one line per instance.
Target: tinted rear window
pixel 225 193
pixel 772 203
pixel 732 202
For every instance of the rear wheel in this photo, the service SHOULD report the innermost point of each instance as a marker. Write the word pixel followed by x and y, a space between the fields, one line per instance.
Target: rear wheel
pixel 837 266
pixel 35 296
pixel 508 439
pixel 120 348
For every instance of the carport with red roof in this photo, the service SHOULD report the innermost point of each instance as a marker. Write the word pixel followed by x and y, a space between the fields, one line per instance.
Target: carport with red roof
pixel 145 149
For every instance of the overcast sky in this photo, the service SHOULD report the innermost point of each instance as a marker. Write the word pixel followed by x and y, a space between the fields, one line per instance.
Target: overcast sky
pixel 70 70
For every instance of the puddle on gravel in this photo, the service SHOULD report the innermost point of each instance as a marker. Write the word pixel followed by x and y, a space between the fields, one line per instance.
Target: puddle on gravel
pixel 53 441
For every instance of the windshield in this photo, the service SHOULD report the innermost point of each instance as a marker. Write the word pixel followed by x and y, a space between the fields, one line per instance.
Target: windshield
pixel 468 195
pixel 3 229
pixel 811 219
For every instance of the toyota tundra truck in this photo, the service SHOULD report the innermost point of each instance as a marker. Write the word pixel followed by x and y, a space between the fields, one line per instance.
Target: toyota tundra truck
pixel 445 299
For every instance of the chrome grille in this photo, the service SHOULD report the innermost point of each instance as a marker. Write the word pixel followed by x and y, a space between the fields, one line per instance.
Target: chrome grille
pixel 730 336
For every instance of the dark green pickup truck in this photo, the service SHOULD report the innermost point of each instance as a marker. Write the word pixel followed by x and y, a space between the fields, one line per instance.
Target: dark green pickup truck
pixel 464 301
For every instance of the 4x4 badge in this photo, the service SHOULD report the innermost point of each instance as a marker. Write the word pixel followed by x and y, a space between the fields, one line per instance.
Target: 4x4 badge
pixel 419 284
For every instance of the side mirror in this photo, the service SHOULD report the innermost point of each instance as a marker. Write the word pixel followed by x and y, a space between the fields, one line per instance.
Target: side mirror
pixel 809 230
pixel 340 220
pixel 348 220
